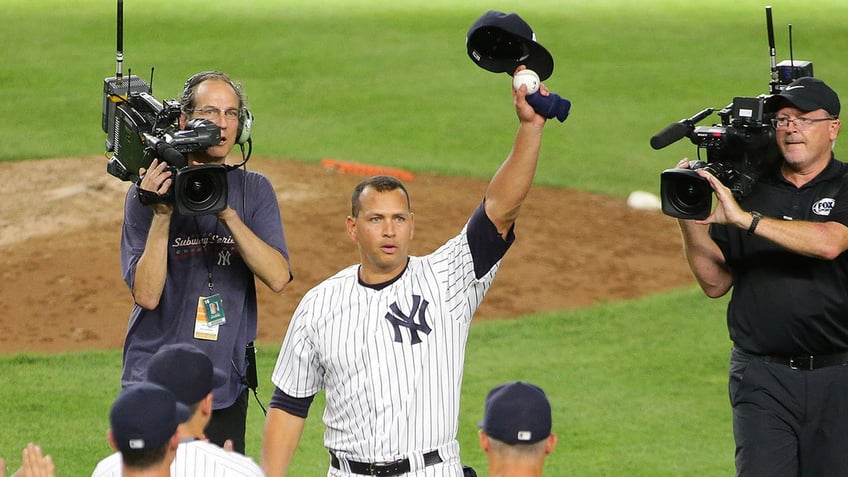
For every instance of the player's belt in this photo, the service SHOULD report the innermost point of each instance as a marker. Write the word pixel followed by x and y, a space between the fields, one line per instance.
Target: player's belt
pixel 397 467
pixel 810 362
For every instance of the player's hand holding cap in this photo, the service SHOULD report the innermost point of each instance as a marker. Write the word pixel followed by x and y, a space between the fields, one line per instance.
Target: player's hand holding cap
pixel 501 42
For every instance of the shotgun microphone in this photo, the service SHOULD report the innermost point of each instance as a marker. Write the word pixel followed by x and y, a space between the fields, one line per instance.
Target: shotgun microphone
pixel 676 131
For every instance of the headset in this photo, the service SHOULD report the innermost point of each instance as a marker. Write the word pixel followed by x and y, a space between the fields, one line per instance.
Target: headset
pixel 245 123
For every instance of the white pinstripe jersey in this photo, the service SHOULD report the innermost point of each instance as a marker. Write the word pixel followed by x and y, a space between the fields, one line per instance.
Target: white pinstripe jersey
pixel 390 360
pixel 193 459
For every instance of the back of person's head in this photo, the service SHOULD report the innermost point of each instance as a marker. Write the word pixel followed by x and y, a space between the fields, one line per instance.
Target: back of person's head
pixel 143 424
pixel 517 413
pixel 516 426
pixel 186 371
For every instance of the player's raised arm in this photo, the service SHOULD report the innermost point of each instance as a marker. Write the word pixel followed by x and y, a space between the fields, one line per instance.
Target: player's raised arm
pixel 512 181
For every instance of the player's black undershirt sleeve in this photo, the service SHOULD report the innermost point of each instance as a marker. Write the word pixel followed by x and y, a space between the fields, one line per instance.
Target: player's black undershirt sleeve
pixel 295 406
pixel 486 243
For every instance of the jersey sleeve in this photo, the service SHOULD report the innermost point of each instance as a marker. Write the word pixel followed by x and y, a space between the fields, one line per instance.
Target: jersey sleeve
pixel 298 372
pixel 487 245
pixel 295 406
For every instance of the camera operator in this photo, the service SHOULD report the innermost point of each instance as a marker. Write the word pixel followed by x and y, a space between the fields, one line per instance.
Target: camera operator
pixel 782 250
pixel 192 277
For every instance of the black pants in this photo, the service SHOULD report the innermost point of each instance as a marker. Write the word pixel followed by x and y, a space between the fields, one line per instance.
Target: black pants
pixel 788 422
pixel 229 423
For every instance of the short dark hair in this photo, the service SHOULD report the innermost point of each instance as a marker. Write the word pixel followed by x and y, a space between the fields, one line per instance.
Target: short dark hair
pixel 145 458
pixel 379 184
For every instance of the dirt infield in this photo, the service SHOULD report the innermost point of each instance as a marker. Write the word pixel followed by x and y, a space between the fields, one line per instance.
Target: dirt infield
pixel 60 229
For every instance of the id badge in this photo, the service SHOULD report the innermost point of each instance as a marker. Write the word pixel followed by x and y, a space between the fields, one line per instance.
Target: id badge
pixel 214 310
pixel 203 329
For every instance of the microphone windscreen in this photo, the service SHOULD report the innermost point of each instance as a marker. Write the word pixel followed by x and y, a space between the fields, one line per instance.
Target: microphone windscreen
pixel 672 133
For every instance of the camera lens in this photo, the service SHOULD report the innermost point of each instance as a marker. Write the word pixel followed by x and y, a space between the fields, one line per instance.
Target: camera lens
pixel 691 195
pixel 685 194
pixel 201 190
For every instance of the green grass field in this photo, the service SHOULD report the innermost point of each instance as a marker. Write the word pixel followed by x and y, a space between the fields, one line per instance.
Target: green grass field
pixel 638 388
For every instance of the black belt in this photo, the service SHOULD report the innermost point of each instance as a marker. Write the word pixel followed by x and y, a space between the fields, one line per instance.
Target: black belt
pixel 810 362
pixel 397 467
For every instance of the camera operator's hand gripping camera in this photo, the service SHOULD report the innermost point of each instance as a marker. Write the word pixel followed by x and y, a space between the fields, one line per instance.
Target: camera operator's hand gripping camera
pixel 140 128
pixel 500 42
pixel 738 150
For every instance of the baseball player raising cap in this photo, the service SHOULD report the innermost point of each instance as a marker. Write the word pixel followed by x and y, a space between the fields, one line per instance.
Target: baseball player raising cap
pixel 385 338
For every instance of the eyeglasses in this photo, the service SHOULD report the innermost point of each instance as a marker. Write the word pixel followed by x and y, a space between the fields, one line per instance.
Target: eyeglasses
pixel 211 112
pixel 800 123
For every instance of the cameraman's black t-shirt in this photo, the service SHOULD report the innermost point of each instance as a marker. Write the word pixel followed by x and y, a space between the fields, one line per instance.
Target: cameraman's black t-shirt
pixel 784 303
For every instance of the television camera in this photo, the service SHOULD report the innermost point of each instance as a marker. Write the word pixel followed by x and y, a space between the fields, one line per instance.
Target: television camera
pixel 738 150
pixel 140 128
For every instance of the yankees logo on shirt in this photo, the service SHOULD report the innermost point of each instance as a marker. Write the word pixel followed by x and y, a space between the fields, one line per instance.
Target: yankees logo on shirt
pixel 398 319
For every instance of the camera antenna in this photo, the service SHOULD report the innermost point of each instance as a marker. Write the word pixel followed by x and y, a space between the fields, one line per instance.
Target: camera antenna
pixel 117 89
pixel 772 53
pixel 119 68
pixel 791 54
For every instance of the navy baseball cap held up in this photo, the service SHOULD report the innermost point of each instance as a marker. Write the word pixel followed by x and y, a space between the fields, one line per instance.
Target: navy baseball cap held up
pixel 517 413
pixel 186 371
pixel 145 416
pixel 500 42
pixel 807 94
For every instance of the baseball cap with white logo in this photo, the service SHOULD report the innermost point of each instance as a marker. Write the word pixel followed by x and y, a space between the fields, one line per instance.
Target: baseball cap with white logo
pixel 145 416
pixel 807 94
pixel 517 413
pixel 500 42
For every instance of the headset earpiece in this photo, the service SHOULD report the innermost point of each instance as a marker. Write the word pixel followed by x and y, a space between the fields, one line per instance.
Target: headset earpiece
pixel 245 124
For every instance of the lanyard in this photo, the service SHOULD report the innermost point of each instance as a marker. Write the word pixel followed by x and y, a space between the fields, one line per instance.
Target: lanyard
pixel 208 255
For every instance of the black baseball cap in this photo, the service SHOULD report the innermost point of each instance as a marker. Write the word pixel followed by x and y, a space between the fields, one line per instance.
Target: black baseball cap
pixel 517 413
pixel 807 94
pixel 500 42
pixel 186 371
pixel 145 416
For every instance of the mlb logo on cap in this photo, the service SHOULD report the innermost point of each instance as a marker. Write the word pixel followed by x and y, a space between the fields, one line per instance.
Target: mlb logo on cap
pixel 145 416
pixel 517 413
pixel 500 42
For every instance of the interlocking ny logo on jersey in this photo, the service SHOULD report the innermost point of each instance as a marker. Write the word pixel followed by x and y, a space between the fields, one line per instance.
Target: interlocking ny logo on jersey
pixel 223 258
pixel 398 318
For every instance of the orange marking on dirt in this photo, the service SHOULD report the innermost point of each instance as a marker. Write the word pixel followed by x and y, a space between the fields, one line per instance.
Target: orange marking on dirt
pixel 348 167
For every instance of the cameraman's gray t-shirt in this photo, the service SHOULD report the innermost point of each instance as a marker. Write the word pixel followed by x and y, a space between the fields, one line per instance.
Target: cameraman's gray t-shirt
pixel 198 245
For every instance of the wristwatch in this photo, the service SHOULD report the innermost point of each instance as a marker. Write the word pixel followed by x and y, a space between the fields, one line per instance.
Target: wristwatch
pixel 756 220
